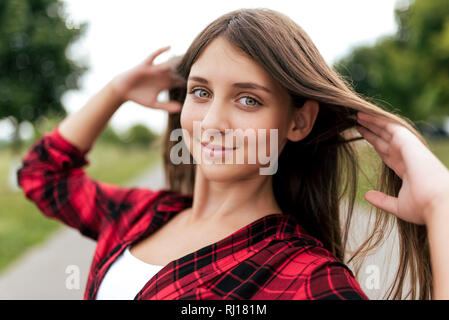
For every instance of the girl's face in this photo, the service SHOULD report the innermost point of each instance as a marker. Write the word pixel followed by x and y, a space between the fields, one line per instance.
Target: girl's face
pixel 227 91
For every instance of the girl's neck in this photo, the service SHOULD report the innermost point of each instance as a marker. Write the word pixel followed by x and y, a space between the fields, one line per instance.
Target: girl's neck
pixel 235 202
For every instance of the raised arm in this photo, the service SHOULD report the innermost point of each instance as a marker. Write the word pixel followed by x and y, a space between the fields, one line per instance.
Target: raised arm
pixel 51 174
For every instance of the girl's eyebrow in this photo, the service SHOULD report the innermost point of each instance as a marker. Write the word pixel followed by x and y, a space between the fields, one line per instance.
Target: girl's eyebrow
pixel 245 85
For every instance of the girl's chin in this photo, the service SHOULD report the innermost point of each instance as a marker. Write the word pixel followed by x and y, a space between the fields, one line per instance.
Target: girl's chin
pixel 227 172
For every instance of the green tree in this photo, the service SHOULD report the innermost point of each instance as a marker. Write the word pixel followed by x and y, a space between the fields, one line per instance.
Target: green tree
pixel 139 135
pixel 407 72
pixel 34 69
pixel 110 136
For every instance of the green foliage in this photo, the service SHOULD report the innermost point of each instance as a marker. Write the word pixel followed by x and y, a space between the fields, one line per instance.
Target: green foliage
pixel 34 68
pixel 139 135
pixel 109 136
pixel 407 72
pixel 46 124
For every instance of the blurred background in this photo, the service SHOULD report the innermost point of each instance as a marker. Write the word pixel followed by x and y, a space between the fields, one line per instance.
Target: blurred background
pixel 54 55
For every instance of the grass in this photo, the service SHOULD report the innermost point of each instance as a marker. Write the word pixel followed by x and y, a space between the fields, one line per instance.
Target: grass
pixel 119 165
pixel 23 226
pixel 370 164
pixel 370 169
pixel 440 148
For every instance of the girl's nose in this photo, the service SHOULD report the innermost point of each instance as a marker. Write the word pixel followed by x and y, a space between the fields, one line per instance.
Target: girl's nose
pixel 216 117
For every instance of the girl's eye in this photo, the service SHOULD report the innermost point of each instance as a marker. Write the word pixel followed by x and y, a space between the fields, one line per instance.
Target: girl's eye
pixel 252 102
pixel 195 90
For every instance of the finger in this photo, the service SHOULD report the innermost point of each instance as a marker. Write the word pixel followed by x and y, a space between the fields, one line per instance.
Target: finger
pixel 375 119
pixel 383 149
pixel 166 68
pixel 172 75
pixel 382 201
pixel 377 142
pixel 153 55
pixel 375 126
pixel 169 106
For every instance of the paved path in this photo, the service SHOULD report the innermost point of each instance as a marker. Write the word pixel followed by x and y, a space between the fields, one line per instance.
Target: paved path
pixel 45 272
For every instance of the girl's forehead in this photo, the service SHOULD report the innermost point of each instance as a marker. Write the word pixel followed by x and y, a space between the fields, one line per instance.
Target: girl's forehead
pixel 222 63
pixel 221 57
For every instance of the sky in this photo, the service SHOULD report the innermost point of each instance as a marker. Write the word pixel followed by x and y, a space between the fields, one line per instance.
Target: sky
pixel 122 33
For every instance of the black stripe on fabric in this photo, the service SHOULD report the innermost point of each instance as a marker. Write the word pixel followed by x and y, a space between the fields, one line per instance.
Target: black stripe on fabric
pixel 91 289
pixel 244 270
pixel 103 261
pixel 160 216
pixel 342 295
pixel 188 267
pixel 351 295
pixel 227 284
pixel 214 252
pixel 42 152
pixel 115 210
pixel 108 256
pixel 48 196
pixel 257 232
pixel 88 232
pixel 63 193
pixel 204 257
pixel 247 290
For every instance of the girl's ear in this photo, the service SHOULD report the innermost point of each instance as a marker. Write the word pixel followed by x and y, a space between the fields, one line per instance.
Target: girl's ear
pixel 303 120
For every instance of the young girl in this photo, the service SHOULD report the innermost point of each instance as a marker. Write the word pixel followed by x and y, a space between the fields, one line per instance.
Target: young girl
pixel 223 230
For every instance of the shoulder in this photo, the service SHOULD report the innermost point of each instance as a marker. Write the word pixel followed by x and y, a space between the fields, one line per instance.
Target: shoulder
pixel 161 205
pixel 321 275
pixel 314 272
pixel 139 208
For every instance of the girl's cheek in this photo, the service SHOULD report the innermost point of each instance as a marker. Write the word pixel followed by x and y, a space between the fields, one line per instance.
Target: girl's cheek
pixel 184 117
pixel 187 120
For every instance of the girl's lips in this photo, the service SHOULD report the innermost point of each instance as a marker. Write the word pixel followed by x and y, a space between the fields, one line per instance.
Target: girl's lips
pixel 215 147
pixel 214 151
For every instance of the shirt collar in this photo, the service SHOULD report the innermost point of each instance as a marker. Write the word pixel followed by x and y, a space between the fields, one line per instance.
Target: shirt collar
pixel 277 226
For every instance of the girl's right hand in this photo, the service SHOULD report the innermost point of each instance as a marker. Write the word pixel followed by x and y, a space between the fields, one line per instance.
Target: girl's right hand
pixel 144 82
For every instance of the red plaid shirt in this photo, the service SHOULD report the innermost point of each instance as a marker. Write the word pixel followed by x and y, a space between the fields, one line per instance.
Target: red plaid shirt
pixel 271 258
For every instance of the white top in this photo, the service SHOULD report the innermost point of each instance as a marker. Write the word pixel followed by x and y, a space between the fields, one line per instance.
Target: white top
pixel 125 277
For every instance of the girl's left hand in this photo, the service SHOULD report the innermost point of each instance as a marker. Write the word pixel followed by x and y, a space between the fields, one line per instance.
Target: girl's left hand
pixel 425 180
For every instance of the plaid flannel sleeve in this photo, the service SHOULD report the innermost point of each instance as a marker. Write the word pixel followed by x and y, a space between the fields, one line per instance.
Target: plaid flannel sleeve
pixel 51 176
pixel 333 280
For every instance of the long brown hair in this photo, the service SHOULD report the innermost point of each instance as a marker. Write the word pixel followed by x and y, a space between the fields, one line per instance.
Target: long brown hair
pixel 319 172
